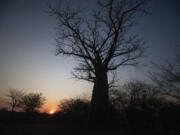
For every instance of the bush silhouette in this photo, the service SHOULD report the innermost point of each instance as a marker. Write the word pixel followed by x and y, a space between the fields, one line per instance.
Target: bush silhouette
pixel 31 102
pixel 75 109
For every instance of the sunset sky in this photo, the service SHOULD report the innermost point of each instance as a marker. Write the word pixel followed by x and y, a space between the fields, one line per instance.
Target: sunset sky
pixel 27 48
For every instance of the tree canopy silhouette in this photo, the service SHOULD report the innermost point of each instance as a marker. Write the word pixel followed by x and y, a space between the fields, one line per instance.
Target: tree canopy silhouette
pixel 15 96
pixel 101 42
pixel 31 102
pixel 167 77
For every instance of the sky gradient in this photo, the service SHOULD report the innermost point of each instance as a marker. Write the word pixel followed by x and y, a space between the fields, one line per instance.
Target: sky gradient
pixel 27 59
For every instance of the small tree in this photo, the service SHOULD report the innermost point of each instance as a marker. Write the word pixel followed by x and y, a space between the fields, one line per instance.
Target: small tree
pixel 167 77
pixel 75 109
pixel 74 106
pixel 31 102
pixel 140 102
pixel 119 98
pixel 135 93
pixel 14 95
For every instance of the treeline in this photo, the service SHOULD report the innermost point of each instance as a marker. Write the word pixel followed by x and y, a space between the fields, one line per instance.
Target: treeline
pixel 27 102
pixel 135 105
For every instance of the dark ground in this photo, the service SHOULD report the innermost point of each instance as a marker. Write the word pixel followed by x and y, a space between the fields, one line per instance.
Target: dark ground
pixel 20 123
pixel 58 129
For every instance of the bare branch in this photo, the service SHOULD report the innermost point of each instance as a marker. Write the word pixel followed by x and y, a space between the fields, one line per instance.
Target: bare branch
pixel 101 38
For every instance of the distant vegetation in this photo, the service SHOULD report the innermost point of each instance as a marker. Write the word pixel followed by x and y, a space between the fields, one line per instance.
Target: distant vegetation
pixel 135 107
pixel 30 102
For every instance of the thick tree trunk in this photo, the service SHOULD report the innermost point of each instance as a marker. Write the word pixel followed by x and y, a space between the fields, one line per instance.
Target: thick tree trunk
pixel 100 100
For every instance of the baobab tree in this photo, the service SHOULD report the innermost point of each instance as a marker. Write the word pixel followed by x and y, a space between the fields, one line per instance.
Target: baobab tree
pixel 101 42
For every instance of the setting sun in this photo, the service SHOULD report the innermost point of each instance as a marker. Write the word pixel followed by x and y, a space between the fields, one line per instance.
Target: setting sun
pixel 51 112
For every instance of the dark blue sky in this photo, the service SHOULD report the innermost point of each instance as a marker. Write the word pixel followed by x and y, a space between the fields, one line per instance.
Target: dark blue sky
pixel 27 49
